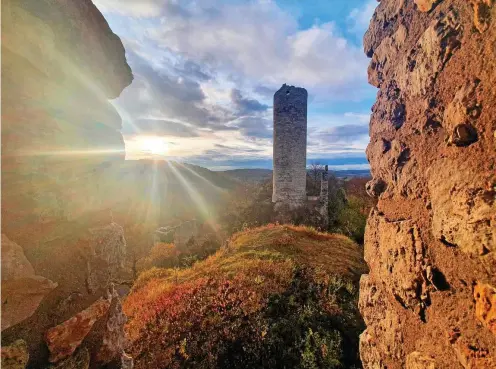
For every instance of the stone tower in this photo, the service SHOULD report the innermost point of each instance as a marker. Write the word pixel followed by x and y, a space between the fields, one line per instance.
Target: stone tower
pixel 290 147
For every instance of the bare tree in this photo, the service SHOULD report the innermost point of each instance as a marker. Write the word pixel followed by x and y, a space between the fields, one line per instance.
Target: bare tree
pixel 315 169
pixel 313 178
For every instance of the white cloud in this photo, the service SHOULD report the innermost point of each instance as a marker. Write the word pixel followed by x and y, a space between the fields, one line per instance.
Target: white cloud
pixel 358 117
pixel 260 42
pixel 359 18
pixel 133 8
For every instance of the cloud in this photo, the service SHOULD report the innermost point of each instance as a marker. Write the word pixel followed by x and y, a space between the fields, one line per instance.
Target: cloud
pixel 254 127
pixel 206 71
pixel 338 133
pixel 191 69
pixel 265 91
pixel 162 127
pixel 244 105
pixel 345 133
pixel 259 41
pixel 359 18
pixel 221 161
pixel 359 117
pixel 229 150
pixel 167 103
pixel 133 8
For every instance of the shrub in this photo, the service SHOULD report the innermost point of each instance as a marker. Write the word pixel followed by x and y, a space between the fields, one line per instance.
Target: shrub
pixel 249 206
pixel 162 255
pixel 166 255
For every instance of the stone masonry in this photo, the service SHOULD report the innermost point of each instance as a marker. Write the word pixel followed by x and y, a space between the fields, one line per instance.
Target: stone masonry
pixel 290 147
pixel 324 197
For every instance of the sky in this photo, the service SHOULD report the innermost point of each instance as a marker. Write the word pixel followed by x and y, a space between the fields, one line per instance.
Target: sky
pixel 205 72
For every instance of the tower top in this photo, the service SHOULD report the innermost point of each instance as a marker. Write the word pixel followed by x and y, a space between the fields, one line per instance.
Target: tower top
pixel 287 90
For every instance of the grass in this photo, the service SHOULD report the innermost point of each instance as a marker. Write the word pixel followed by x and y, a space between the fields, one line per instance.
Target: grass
pixel 332 253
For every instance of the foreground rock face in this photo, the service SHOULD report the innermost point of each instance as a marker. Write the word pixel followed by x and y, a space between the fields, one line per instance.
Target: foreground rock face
pixel 59 131
pixel 61 147
pixel 429 299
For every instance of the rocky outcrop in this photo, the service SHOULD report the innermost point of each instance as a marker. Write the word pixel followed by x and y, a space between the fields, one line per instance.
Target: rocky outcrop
pixel 80 360
pixel 429 298
pixel 65 338
pixel 101 325
pixel 106 256
pixel 59 131
pixel 61 150
pixel 113 338
pixel 15 265
pixel 22 290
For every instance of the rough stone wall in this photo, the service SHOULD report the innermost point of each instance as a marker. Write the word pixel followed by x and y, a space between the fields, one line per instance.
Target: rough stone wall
pixel 61 63
pixel 429 298
pixel 290 147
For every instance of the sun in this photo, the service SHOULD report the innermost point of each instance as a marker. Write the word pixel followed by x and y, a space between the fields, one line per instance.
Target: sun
pixel 154 145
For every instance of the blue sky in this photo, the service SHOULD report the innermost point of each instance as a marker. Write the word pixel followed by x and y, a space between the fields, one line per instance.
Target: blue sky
pixel 205 73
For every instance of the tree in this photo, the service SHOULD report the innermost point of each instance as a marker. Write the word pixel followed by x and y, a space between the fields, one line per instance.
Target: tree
pixel 315 169
pixel 313 178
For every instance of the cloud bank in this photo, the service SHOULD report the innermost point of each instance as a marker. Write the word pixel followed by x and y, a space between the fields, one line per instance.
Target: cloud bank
pixel 205 73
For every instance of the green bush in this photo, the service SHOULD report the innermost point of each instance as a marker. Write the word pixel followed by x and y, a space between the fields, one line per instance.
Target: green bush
pixel 351 220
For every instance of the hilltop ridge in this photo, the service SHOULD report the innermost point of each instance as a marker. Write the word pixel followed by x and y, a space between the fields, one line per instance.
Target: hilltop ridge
pixel 263 300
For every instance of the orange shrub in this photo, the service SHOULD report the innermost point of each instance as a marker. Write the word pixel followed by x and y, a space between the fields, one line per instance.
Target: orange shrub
pixel 162 255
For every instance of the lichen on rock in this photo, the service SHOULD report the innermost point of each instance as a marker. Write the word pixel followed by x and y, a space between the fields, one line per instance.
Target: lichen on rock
pixel 15 356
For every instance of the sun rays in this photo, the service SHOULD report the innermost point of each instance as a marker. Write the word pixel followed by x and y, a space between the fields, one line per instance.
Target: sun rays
pixel 154 146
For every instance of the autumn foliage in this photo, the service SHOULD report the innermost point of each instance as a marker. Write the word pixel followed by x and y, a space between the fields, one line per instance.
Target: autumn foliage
pixel 273 297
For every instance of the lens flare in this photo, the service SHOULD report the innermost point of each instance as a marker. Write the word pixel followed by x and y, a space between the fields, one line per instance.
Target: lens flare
pixel 153 145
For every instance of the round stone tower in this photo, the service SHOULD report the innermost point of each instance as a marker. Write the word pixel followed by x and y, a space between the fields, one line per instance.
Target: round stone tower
pixel 290 146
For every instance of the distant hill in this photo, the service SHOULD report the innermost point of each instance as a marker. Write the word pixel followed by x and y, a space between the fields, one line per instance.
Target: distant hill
pixel 352 173
pixel 249 175
pixel 260 175
pixel 165 190
pixel 273 297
